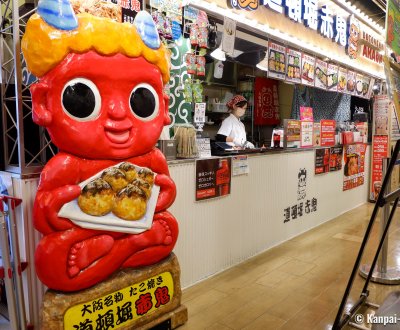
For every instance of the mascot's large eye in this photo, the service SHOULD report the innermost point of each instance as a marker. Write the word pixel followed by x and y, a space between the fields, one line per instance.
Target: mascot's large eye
pixel 81 99
pixel 144 102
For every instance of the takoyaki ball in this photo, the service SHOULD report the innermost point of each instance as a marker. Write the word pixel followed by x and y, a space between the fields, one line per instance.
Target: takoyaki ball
pixel 116 178
pixel 130 203
pixel 96 198
pixel 146 175
pixel 144 185
pixel 129 170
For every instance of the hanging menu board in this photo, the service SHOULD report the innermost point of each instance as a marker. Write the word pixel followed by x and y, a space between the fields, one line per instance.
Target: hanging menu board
pixel 276 61
pixel 342 80
pixel 293 66
pixel 366 82
pixel 308 70
pixel 361 86
pixel 351 82
pixel 332 77
pixel 321 70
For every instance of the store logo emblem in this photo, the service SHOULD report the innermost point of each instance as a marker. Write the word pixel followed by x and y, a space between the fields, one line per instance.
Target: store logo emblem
pixel 302 184
pixel 303 206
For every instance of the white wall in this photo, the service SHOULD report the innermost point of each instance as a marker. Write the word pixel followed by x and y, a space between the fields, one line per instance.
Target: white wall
pixel 219 233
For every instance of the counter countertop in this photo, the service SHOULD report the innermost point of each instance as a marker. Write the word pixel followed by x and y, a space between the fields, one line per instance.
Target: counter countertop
pixel 268 151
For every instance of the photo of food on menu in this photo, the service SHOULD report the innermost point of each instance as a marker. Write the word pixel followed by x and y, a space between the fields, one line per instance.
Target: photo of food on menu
pixel 276 61
pixel 308 70
pixel 321 77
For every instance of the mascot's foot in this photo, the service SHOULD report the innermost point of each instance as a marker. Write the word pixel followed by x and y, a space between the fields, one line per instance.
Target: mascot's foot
pixel 159 233
pixel 85 253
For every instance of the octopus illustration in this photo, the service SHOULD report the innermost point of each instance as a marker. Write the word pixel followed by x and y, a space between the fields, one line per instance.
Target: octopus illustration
pixel 100 96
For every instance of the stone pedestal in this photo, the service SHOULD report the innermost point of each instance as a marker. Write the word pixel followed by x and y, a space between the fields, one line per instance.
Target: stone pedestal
pixel 130 299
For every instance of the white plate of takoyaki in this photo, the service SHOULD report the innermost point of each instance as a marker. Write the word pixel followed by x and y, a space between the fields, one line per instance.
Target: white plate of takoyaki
pixel 120 198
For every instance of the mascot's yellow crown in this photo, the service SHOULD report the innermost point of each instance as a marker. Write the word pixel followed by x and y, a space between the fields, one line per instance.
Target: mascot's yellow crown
pixel 55 31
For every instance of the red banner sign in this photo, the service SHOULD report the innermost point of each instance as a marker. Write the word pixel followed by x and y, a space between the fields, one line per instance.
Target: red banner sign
pixel 380 147
pixel 266 102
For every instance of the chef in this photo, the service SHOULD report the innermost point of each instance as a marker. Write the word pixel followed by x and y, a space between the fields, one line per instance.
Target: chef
pixel 232 130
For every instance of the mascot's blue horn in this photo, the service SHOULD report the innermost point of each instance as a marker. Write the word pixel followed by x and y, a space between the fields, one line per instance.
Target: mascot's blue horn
pixel 58 13
pixel 147 29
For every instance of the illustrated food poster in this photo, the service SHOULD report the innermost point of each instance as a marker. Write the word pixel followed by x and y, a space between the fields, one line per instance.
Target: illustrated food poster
pixel 322 160
pixel 336 158
pixel 354 162
pixel 213 178
pixel 306 114
pixel 292 133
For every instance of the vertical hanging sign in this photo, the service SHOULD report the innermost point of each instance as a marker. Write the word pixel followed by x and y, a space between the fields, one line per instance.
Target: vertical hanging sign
pixel 380 147
pixel 229 36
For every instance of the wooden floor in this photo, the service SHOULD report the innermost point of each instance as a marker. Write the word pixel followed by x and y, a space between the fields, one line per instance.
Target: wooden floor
pixel 297 285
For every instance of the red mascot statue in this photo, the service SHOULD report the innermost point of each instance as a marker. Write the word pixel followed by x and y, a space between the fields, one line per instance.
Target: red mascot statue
pixel 100 96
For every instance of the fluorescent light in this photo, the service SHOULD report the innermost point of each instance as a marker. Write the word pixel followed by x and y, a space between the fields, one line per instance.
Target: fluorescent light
pixel 218 54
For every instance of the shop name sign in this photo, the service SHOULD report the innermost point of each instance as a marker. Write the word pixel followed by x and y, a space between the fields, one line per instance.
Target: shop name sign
pixel 342 31
pixel 372 48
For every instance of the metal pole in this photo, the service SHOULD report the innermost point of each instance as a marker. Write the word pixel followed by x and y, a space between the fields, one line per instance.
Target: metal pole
pixel 381 199
pixel 382 273
pixel 12 203
pixel 8 278
pixel 382 261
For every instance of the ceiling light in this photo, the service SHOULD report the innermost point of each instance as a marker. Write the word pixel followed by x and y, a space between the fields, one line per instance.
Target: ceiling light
pixel 219 54
pixel 263 65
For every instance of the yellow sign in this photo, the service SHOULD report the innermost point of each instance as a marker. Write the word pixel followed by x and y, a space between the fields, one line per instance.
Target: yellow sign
pixel 121 308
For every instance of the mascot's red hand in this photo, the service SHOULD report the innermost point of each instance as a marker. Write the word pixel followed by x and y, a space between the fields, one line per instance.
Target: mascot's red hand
pixel 167 192
pixel 51 202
